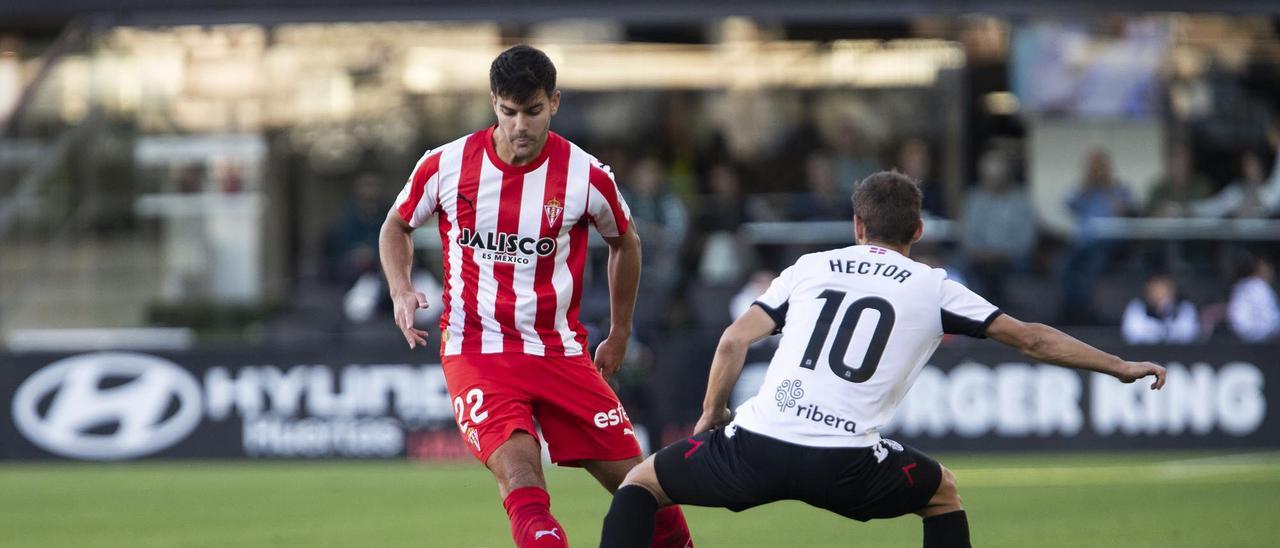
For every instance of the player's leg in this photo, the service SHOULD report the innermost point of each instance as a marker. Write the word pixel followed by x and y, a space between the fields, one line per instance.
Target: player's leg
pixel 668 528
pixel 517 466
pixel 885 481
pixel 495 418
pixel 610 473
pixel 945 523
pixel 716 468
pixel 631 516
pixel 585 425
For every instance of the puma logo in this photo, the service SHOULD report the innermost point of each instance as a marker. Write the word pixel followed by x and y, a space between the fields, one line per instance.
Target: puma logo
pixel 468 200
pixel 628 432
pixel 539 534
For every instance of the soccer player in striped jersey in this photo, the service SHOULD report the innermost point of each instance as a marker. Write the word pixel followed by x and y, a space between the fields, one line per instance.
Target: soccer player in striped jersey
pixel 857 325
pixel 514 202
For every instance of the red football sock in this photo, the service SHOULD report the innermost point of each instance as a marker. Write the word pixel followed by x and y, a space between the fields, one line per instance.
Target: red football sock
pixel 670 529
pixel 532 525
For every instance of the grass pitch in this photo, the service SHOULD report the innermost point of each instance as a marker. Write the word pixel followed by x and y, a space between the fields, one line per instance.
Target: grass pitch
pixel 1158 499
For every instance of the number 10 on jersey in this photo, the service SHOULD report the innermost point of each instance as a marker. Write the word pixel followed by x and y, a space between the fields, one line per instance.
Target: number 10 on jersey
pixel 844 334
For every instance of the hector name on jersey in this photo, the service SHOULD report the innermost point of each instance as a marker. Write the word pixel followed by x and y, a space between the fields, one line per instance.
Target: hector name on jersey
pixel 857 325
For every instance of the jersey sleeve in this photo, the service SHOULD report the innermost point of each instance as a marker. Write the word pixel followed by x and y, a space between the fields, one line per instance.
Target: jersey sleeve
pixel 965 312
pixel 605 206
pixel 776 299
pixel 421 193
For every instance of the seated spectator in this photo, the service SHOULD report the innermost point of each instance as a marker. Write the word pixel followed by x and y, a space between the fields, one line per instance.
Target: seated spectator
pixel 1253 312
pixel 998 227
pixel 1179 187
pixel 1160 315
pixel 1252 196
pixel 822 199
pixel 1100 196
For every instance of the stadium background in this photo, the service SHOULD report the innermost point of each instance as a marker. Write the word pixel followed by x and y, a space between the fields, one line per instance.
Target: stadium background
pixel 189 202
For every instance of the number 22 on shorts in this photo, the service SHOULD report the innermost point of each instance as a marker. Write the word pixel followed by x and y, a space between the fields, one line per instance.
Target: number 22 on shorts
pixel 475 398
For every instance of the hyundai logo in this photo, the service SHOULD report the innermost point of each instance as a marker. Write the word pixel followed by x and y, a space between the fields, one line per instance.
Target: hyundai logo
pixel 107 405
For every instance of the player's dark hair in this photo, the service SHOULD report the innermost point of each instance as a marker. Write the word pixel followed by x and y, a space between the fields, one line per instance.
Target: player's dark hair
pixel 888 203
pixel 518 73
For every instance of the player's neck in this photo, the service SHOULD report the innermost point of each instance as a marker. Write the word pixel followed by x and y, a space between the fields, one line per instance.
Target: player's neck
pixel 904 250
pixel 503 147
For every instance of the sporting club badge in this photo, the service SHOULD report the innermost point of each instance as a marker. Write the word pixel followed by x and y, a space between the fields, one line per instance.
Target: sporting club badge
pixel 553 209
pixel 474 437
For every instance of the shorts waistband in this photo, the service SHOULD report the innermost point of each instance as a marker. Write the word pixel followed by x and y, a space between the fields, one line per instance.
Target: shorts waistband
pixel 855 441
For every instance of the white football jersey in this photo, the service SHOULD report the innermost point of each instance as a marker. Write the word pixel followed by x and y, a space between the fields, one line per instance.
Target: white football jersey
pixel 857 325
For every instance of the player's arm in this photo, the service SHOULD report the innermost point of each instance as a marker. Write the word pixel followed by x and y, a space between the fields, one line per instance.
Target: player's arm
pixel 1046 344
pixel 726 367
pixel 395 247
pixel 624 278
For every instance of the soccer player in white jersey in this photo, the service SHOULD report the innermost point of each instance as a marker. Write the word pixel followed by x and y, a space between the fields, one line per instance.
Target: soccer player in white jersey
pixel 514 202
pixel 857 326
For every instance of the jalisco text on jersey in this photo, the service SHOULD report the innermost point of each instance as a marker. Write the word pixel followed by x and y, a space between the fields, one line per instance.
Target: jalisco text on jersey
pixel 851 266
pixel 501 242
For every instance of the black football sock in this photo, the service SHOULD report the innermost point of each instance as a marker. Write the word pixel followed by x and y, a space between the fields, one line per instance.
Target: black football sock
pixel 629 522
pixel 949 530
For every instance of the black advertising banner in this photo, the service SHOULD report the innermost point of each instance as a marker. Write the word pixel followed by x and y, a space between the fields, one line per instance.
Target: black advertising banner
pixel 357 402
pixel 986 397
pixel 260 403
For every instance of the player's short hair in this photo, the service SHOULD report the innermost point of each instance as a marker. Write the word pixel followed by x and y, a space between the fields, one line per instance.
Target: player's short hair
pixel 888 203
pixel 518 73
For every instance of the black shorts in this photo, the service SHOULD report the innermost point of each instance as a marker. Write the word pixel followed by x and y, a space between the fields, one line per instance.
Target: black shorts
pixel 746 469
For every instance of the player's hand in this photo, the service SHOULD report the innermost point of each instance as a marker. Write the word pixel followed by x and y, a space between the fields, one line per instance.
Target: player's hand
pixel 610 353
pixel 405 304
pixel 713 419
pixel 1132 371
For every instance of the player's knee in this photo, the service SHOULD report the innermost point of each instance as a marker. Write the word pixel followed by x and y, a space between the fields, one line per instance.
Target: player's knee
pixel 520 475
pixel 640 474
pixel 948 493
pixel 644 475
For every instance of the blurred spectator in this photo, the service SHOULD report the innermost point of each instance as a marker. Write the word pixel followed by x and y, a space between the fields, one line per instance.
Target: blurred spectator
pixel 1100 196
pixel 662 221
pixel 1252 196
pixel 1180 186
pixel 719 256
pixel 756 285
pixel 913 160
pixel 999 228
pixel 822 199
pixel 1160 315
pixel 660 217
pixel 351 247
pixel 1253 312
pixel 852 157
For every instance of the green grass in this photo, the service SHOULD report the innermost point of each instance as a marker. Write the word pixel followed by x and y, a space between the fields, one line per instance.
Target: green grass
pixel 1159 499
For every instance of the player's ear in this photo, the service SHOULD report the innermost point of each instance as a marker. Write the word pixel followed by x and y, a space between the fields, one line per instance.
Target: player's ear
pixel 554 102
pixel 859 230
pixel 919 231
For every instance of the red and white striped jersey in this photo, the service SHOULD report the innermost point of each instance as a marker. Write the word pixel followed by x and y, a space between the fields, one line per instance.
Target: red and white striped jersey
pixel 514 240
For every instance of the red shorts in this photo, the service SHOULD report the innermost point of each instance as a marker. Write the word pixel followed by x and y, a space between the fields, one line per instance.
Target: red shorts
pixel 495 395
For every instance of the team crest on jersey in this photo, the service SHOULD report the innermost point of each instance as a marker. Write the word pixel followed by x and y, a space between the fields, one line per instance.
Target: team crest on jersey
pixel 553 209
pixel 473 436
